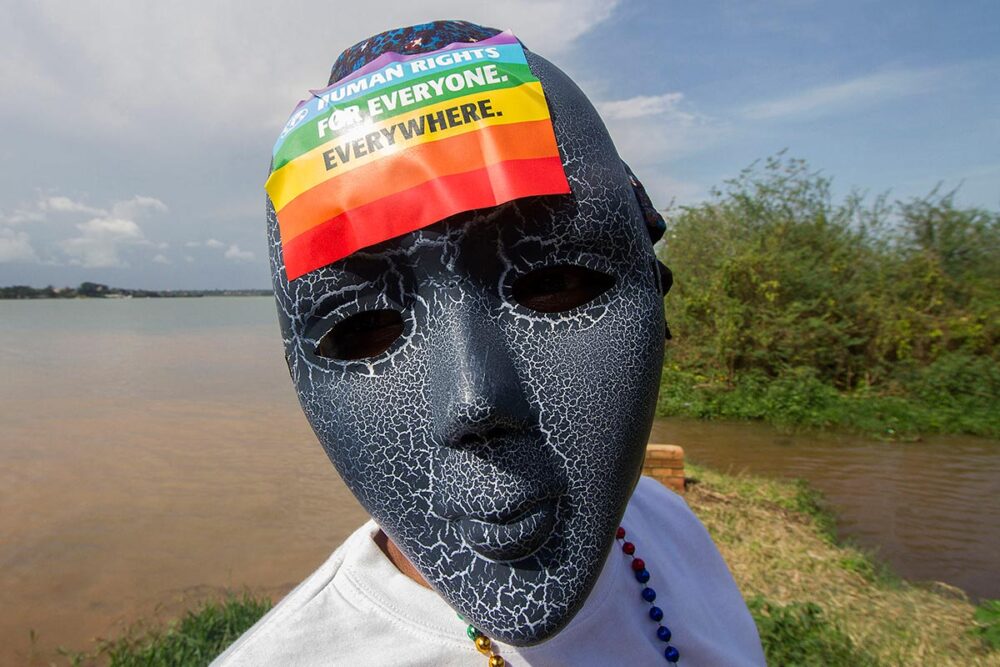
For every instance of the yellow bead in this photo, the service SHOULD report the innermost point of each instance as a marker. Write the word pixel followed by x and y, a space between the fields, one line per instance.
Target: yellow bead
pixel 483 644
pixel 496 661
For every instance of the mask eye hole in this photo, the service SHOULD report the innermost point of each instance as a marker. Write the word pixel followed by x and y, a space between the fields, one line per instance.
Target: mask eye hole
pixel 360 336
pixel 555 289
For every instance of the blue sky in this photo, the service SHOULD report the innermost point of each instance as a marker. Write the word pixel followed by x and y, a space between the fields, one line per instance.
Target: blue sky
pixel 879 95
pixel 141 132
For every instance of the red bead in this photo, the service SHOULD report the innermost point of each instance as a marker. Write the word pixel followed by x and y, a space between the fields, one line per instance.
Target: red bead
pixel 638 564
pixel 620 534
pixel 628 548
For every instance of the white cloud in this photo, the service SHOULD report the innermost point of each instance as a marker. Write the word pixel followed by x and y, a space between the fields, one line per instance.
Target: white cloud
pixel 111 228
pixel 639 106
pixel 192 244
pixel 161 259
pixel 136 206
pixel 865 90
pixel 112 99
pixel 15 247
pixel 234 253
pixel 80 233
pixel 62 204
pixel 656 129
pixel 22 215
pixel 548 27
pixel 651 131
pixel 101 241
pixel 163 76
pixel 44 206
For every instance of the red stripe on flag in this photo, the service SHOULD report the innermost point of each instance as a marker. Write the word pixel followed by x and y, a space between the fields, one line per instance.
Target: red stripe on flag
pixel 420 206
pixel 411 167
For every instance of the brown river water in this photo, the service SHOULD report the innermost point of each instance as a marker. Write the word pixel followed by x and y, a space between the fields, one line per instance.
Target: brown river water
pixel 152 455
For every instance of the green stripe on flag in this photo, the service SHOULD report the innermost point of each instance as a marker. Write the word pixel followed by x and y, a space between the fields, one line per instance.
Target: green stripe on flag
pixel 306 138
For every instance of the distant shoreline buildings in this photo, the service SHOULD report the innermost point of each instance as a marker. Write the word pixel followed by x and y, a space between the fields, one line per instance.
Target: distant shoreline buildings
pixel 88 290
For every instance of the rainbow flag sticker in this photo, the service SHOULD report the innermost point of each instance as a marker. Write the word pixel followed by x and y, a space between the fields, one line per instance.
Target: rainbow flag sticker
pixel 407 141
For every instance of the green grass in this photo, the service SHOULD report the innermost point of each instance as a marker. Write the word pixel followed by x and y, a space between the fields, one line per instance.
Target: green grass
pixel 799 634
pixel 819 602
pixel 801 401
pixel 815 602
pixel 195 639
pixel 987 628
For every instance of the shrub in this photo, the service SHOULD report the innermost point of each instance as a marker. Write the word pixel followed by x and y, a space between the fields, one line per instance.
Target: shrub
pixel 787 304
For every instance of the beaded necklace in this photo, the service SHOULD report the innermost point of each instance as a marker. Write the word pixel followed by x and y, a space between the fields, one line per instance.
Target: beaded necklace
pixel 672 655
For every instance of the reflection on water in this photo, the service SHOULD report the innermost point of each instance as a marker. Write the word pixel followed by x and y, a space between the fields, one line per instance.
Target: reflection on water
pixel 152 454
pixel 930 509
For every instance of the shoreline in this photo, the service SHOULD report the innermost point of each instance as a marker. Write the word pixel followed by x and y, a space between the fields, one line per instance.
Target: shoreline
pixel 811 597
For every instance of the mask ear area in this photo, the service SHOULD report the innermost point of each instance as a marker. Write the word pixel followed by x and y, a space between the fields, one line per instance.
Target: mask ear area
pixel 666 277
pixel 655 224
pixel 666 282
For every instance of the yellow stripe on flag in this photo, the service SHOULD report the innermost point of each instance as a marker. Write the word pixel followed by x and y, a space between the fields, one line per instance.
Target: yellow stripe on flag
pixel 522 103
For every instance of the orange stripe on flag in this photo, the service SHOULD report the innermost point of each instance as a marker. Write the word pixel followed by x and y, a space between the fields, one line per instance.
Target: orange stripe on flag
pixel 420 206
pixel 413 166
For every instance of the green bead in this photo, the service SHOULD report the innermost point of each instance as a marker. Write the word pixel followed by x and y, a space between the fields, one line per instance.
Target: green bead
pixel 472 632
pixel 460 617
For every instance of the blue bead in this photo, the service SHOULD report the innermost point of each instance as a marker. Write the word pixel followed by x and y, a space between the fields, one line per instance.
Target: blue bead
pixel 671 654
pixel 656 614
pixel 642 576
pixel 663 633
pixel 648 594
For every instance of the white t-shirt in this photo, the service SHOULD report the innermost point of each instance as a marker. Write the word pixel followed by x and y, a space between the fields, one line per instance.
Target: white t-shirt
pixel 357 609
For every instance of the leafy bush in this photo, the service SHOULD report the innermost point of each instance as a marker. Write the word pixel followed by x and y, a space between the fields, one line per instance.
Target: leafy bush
pixel 791 307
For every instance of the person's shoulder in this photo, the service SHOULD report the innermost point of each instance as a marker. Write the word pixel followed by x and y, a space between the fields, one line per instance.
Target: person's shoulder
pixel 663 522
pixel 648 486
pixel 653 499
pixel 666 514
pixel 287 633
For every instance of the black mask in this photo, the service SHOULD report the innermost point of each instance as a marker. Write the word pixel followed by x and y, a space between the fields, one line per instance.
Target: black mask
pixel 485 386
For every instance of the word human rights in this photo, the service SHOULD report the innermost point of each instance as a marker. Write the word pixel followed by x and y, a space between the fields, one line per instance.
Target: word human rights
pixel 397 71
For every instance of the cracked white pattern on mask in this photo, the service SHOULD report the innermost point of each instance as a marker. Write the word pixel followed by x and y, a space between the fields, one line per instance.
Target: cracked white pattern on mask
pixel 483 409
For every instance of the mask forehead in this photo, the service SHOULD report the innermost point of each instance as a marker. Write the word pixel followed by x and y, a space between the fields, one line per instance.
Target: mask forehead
pixel 601 209
pixel 488 429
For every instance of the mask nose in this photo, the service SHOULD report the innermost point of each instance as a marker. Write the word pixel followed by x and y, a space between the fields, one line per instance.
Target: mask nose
pixel 492 462
pixel 477 391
